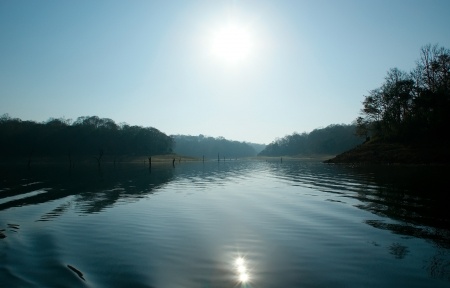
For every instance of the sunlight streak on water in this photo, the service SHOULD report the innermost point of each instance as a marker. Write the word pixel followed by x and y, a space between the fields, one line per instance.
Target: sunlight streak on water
pixel 242 271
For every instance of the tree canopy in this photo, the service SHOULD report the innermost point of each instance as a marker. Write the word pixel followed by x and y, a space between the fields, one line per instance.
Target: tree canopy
pixel 412 106
pixel 87 135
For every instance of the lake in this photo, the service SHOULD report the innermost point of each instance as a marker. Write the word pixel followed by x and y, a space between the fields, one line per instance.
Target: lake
pixel 242 223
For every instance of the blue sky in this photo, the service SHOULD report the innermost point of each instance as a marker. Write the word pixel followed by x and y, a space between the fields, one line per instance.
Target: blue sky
pixel 151 63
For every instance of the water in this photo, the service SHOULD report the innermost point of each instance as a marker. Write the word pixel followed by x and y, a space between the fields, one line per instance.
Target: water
pixel 227 224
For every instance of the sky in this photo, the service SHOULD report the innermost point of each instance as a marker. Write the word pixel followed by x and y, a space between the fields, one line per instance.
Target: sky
pixel 250 71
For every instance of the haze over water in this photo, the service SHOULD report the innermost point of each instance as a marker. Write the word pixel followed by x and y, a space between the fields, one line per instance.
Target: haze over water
pixel 224 224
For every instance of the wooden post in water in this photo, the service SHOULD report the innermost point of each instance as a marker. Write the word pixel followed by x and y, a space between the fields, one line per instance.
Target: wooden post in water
pixel 29 159
pixel 70 160
pixel 99 158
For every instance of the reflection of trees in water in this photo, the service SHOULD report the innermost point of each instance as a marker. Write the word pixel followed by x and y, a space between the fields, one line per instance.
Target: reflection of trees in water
pixel 201 174
pixel 411 200
pixel 398 250
pixel 94 189
pixel 58 211
pixel 438 266
pixel 10 227
pixel 413 196
pixel 439 236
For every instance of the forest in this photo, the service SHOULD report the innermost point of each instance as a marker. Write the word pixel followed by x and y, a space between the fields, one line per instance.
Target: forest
pixel 411 106
pixel 91 136
pixel 210 147
pixel 101 137
pixel 333 139
pixel 86 136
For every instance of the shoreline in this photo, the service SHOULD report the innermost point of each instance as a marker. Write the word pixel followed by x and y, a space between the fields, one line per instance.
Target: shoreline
pixel 394 153
pixel 84 160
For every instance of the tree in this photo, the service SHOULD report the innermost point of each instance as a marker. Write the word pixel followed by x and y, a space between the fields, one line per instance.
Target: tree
pixel 410 105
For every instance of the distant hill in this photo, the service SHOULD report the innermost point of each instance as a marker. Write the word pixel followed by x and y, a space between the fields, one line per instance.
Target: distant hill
pixel 258 147
pixel 210 147
pixel 333 139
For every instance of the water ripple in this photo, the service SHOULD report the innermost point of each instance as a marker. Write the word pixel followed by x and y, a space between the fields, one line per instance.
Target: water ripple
pixel 293 224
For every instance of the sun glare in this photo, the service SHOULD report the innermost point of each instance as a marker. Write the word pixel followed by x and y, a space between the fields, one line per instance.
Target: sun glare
pixel 232 43
pixel 241 268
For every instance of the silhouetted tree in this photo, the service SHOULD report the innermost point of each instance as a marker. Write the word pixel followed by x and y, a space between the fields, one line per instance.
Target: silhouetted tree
pixel 413 105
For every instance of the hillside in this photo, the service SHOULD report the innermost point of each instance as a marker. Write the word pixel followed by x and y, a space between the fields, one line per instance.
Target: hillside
pixel 331 140
pixel 210 147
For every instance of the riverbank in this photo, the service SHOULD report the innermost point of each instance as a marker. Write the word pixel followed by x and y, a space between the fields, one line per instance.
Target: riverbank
pixel 107 159
pixel 383 152
pixel 306 157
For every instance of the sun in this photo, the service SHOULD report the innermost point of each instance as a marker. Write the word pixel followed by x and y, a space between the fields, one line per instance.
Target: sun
pixel 232 43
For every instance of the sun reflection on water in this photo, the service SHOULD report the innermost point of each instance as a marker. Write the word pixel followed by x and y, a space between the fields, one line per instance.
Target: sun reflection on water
pixel 241 269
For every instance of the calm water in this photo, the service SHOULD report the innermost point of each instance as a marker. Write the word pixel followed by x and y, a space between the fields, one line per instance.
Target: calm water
pixel 227 224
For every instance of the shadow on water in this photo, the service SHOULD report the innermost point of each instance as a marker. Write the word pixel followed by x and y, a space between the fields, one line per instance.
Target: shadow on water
pixel 94 189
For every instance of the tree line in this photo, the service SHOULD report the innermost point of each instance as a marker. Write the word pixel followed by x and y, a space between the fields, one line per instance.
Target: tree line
pixel 87 135
pixel 333 139
pixel 210 147
pixel 411 106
